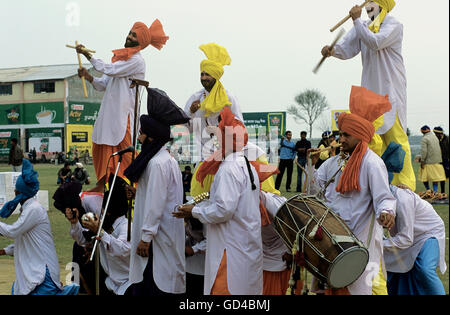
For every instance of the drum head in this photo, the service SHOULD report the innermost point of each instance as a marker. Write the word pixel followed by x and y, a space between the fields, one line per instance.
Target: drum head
pixel 348 267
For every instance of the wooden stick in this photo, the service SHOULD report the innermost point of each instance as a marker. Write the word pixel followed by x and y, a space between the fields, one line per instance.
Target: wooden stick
pixel 338 37
pixel 82 78
pixel 347 17
pixel 326 149
pixel 83 49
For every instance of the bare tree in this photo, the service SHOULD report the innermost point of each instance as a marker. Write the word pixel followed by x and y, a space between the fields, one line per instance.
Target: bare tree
pixel 310 105
pixel 324 123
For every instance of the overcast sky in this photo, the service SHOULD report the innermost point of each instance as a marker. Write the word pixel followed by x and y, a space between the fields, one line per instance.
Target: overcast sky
pixel 274 45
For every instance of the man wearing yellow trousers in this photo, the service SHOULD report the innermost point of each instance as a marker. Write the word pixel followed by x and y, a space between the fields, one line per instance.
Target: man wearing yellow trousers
pixel 379 40
pixel 204 108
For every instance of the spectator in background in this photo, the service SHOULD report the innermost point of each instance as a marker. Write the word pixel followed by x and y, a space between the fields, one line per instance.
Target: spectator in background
pixel 80 174
pixel 324 143
pixel 287 156
pixel 431 168
pixel 187 177
pixel 33 155
pixel 64 174
pixel 15 156
pixel 86 157
pixel 445 151
pixel 301 147
pixel 76 154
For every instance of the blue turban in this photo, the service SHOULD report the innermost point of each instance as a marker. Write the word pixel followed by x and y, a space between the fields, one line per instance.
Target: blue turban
pixel 394 158
pixel 27 185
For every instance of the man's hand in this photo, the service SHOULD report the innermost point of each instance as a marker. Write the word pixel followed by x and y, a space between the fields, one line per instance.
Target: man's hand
pixel 92 225
pixel 80 50
pixel 387 220
pixel 355 12
pixel 287 257
pixel 84 73
pixel 183 212
pixel 195 106
pixel 188 251
pixel 143 249
pixel 131 192
pixel 422 165
pixel 72 215
pixel 314 157
pixel 327 51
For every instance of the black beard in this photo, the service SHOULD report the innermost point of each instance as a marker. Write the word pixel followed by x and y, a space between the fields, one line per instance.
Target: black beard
pixel 129 44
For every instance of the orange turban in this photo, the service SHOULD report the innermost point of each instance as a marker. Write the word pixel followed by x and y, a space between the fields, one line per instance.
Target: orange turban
pixel 234 129
pixel 365 107
pixel 154 36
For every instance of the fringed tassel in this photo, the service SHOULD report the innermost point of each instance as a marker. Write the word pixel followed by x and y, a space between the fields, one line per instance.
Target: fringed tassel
pixel 316 233
pixel 300 259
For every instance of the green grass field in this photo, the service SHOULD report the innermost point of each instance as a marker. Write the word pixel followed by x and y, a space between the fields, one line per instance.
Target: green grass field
pixel 64 243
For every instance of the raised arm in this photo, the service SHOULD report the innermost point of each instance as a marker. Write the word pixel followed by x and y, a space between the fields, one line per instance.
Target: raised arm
pixel 389 34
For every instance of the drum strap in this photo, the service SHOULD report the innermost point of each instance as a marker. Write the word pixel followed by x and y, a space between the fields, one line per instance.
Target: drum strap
pixel 252 179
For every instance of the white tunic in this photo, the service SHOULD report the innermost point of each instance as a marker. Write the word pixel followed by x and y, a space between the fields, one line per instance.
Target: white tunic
pixel 273 246
pixel 199 123
pixel 383 69
pixel 356 209
pixel 114 253
pixel 118 101
pixel 33 248
pixel 416 221
pixel 160 189
pixel 233 224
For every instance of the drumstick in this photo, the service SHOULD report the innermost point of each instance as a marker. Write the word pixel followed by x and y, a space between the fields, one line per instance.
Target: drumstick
pixel 82 78
pixel 326 149
pixel 83 49
pixel 338 37
pixel 347 17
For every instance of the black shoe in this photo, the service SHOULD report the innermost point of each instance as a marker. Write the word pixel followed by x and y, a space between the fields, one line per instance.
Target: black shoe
pixel 288 190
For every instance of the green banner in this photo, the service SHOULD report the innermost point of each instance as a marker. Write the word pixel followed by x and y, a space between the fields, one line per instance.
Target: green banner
pixel 11 114
pixel 83 113
pixel 5 140
pixel 44 113
pixel 265 124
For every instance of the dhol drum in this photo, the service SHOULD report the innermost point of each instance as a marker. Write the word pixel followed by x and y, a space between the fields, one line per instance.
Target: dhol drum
pixel 330 251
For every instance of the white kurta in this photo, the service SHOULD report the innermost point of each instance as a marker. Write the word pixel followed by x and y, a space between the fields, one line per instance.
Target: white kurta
pixel 273 246
pixel 160 189
pixel 33 248
pixel 383 68
pixel 233 224
pixel 199 123
pixel 119 100
pixel 356 209
pixel 114 253
pixel 416 222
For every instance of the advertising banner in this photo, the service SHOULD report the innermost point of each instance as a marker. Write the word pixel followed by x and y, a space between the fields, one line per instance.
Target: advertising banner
pixel 83 113
pixel 79 137
pixel 5 140
pixel 335 116
pixel 44 113
pixel 45 139
pixel 265 125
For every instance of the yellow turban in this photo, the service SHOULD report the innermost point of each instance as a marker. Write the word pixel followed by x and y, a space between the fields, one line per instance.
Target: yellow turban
pixel 386 7
pixel 217 58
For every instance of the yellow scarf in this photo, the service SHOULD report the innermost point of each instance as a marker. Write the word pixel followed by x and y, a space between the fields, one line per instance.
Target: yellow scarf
pixel 386 7
pixel 217 58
